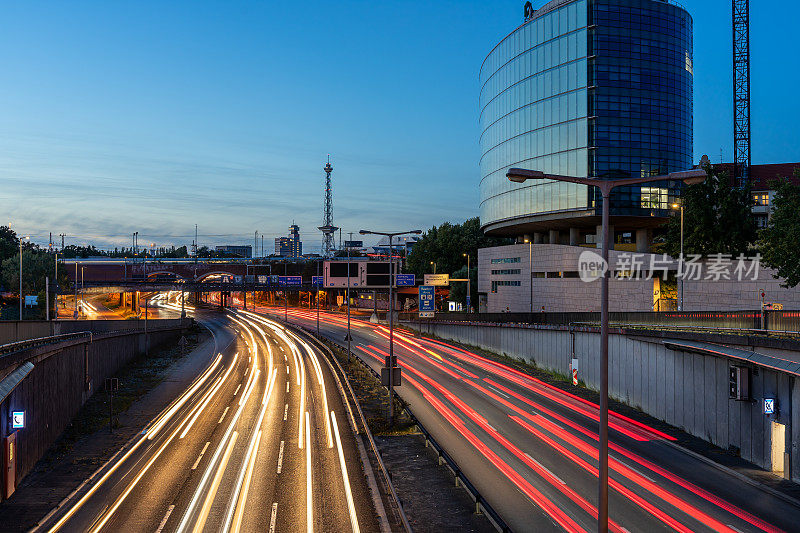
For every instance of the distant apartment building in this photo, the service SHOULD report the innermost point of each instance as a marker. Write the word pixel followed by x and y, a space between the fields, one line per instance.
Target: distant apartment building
pixel 235 250
pixel 762 177
pixel 290 246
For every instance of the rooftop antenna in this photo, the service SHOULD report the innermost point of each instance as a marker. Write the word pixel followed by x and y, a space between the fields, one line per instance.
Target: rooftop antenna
pixel 327 228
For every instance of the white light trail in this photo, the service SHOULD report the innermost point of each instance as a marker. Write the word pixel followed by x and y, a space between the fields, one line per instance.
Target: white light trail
pixel 345 478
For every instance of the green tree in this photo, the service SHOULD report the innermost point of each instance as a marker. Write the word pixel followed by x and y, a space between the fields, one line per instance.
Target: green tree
pixel 446 245
pixel 9 244
pixel 778 242
pixel 718 218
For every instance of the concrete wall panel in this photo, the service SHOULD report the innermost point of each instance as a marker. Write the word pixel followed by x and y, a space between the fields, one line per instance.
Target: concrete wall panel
pixel 687 390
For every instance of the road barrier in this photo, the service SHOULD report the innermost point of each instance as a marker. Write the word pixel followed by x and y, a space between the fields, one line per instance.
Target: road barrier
pixel 746 319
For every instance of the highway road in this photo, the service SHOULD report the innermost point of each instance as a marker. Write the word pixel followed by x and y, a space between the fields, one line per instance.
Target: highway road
pixel 531 449
pixel 260 441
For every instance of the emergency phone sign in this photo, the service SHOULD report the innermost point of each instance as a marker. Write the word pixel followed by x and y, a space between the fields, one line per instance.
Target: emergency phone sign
pixel 17 419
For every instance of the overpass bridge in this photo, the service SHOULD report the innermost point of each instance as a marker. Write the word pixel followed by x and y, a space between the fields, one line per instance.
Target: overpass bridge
pixel 122 270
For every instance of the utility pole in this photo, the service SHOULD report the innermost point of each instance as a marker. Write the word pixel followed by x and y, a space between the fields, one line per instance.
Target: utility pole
pixel 62 235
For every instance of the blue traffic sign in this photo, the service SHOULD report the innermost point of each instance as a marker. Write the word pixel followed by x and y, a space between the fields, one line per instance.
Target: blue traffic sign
pixel 426 298
pixel 405 280
pixel 291 281
pixel 317 280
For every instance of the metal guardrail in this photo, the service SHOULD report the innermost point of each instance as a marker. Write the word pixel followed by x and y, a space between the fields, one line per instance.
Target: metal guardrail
pixel 461 479
pixel 783 320
pixel 43 341
pixel 702 329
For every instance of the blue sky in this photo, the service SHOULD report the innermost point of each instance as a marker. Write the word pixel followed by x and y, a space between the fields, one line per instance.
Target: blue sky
pixel 153 116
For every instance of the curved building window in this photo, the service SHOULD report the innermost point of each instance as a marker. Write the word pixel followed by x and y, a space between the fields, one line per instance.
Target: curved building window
pixel 601 89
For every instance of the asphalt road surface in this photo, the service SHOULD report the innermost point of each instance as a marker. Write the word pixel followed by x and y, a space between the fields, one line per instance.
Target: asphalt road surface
pixel 259 442
pixel 531 449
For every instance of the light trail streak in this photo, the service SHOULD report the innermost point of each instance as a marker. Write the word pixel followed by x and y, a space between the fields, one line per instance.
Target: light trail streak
pixel 163 419
pixel 207 398
pixel 309 487
pixel 237 523
pixel 212 491
pixel 351 507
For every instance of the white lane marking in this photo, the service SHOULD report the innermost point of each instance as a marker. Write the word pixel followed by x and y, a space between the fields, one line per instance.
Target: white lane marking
pixel 280 458
pixel 648 478
pixel 225 412
pixel 735 529
pixel 546 469
pixel 272 518
pixel 164 521
pixel 285 411
pixel 194 466
pixel 287 370
pixel 501 393
pixel 237 389
pixel 287 386
pixel 284 356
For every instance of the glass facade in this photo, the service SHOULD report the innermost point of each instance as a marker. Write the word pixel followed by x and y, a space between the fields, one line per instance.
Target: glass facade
pixel 642 99
pixel 534 114
pixel 600 88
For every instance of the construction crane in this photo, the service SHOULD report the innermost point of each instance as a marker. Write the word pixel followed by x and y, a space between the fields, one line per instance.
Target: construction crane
pixel 741 92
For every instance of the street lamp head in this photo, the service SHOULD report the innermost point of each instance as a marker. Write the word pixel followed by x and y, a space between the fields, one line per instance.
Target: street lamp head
pixel 416 232
pixel 675 206
pixel 689 177
pixel 519 175
pixel 364 232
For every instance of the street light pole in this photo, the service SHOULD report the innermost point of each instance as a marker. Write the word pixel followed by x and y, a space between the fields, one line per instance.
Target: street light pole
pixel 347 295
pixel 680 300
pixel 391 360
pixel 690 177
pixel 469 281
pixel 20 278
pixel 391 336
pixel 285 292
pixel 681 309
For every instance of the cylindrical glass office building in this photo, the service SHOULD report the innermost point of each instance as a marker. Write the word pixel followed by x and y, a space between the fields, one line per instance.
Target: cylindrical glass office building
pixel 599 88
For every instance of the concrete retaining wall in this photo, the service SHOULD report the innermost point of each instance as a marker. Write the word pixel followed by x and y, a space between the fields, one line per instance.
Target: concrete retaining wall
pixel 685 389
pixel 54 391
pixel 13 331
